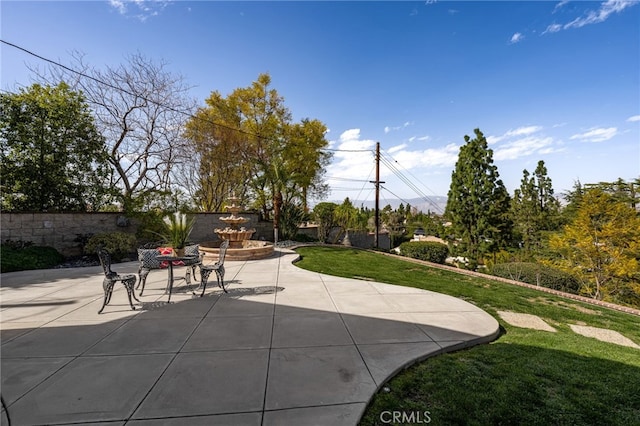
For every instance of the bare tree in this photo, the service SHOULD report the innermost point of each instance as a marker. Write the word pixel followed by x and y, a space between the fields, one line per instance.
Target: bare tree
pixel 140 108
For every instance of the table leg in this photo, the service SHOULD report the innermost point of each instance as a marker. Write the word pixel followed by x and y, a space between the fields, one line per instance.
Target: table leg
pixel 170 283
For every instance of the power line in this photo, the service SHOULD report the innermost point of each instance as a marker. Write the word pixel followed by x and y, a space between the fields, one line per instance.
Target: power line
pixel 347 150
pixel 186 113
pixel 345 179
pixel 397 196
pixel 408 182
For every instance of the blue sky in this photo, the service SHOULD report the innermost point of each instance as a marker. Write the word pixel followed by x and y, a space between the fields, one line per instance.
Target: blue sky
pixel 553 81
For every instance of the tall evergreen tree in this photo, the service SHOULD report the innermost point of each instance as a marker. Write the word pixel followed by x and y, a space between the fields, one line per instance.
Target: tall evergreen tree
pixel 534 208
pixel 478 202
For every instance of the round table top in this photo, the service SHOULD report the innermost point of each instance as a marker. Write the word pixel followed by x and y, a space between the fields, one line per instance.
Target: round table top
pixel 175 258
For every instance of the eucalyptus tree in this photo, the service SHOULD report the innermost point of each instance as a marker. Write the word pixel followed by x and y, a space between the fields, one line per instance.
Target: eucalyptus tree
pixel 52 156
pixel 140 107
pixel 478 202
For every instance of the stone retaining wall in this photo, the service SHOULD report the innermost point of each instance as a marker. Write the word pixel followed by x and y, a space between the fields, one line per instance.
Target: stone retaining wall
pixel 60 230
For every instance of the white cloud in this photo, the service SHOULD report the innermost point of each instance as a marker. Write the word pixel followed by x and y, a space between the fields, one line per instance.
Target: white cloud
pixel 445 156
pixel 553 28
pixel 521 142
pixel 634 118
pixel 419 138
pixel 524 147
pixel 597 16
pixel 516 38
pixel 397 148
pixel 559 5
pixel 525 130
pixel 388 129
pixel 347 164
pixel 119 6
pixel 520 131
pixel 596 135
pixel 140 9
pixel 352 161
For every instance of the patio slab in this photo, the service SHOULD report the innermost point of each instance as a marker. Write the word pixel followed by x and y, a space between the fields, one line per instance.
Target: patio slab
pixel 283 346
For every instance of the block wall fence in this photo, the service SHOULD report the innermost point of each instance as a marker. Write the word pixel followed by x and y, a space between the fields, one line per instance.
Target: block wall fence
pixel 59 230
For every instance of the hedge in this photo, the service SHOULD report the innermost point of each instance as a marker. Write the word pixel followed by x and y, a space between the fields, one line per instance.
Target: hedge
pixel 537 274
pixel 425 250
pixel 13 258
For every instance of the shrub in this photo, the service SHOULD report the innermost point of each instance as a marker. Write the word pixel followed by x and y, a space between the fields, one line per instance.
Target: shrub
pixel 425 250
pixel 23 257
pixel 118 244
pixel 291 216
pixel 151 224
pixel 304 238
pixel 537 274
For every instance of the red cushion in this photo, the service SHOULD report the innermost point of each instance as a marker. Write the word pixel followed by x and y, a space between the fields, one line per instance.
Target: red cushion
pixel 168 251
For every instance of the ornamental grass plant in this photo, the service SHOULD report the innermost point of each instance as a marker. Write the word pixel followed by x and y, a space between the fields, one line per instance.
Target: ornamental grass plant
pixel 177 229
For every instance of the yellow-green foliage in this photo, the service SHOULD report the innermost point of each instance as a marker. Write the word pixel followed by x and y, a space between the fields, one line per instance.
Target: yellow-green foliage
pixel 601 247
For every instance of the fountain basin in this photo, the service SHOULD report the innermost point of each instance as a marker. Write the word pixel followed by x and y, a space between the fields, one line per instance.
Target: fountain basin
pixel 250 250
pixel 236 237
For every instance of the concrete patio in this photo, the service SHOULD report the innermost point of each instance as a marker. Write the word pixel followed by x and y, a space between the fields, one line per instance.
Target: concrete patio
pixel 284 347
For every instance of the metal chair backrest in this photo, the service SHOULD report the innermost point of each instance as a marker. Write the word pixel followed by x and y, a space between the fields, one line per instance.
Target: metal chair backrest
pixel 105 261
pixel 223 251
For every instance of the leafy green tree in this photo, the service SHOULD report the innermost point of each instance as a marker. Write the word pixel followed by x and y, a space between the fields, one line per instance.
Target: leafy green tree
pixel 323 214
pixel 306 160
pixel 249 140
pixel 478 202
pixel 52 156
pixel 534 208
pixel 220 162
pixel 601 247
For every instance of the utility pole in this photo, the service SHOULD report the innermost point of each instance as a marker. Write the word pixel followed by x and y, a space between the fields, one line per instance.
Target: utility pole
pixel 377 182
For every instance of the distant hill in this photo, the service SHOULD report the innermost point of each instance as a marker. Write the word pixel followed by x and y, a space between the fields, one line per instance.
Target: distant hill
pixel 435 203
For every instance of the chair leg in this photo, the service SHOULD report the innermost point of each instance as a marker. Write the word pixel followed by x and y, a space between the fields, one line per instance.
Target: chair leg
pixel 129 285
pixel 143 279
pixel 204 277
pixel 193 273
pixel 107 285
pixel 220 277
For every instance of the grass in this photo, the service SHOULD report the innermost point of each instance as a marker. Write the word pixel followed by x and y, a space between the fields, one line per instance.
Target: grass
pixel 525 376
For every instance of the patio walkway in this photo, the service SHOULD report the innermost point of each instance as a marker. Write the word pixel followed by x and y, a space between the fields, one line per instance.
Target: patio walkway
pixel 284 347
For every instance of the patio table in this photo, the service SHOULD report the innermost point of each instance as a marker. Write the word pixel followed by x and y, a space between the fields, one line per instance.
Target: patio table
pixel 171 278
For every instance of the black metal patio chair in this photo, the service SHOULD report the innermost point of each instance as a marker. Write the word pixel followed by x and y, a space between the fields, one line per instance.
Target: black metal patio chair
pixel 111 278
pixel 218 268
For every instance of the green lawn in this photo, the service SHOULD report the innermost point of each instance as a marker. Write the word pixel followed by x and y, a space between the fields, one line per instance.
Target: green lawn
pixel 525 377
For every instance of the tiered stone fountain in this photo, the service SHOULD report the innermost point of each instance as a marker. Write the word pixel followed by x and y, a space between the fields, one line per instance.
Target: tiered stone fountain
pixel 241 246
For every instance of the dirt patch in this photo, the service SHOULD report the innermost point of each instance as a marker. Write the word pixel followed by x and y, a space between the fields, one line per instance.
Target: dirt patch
pixel 604 335
pixel 525 321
